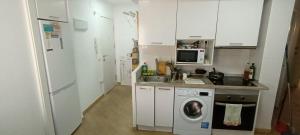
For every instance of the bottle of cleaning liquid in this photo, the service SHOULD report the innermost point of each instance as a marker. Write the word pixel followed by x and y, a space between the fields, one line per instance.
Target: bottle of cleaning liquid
pixel 252 69
pixel 144 69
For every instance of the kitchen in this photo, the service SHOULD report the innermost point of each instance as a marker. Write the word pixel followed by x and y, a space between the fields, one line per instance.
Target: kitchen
pixel 232 34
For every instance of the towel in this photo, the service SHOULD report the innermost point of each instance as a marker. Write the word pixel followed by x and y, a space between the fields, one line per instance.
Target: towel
pixel 233 115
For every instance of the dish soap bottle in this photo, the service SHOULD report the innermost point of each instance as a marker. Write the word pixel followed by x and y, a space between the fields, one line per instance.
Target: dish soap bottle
pixel 145 69
pixel 252 72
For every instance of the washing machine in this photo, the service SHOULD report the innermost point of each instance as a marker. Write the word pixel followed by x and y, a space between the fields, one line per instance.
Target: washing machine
pixel 193 111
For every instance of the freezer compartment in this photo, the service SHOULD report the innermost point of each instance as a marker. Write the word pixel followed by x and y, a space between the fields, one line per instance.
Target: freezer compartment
pixel 66 110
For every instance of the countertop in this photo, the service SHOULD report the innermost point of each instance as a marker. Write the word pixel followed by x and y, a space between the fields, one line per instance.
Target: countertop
pixel 208 84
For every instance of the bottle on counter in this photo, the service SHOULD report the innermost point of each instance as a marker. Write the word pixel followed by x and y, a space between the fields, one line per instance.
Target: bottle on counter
pixel 252 69
pixel 247 72
pixel 144 69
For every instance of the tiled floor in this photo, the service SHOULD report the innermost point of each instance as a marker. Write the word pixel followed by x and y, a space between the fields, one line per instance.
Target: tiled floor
pixel 112 115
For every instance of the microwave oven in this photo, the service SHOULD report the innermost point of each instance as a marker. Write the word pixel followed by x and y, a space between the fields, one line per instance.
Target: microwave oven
pixel 190 56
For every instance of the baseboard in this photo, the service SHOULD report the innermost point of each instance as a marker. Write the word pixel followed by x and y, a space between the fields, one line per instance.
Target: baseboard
pixel 263 130
pixel 90 106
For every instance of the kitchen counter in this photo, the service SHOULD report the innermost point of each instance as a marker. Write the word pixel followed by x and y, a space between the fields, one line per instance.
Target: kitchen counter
pixel 208 84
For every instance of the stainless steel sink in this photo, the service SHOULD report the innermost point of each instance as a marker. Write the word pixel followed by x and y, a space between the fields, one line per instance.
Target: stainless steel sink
pixel 156 78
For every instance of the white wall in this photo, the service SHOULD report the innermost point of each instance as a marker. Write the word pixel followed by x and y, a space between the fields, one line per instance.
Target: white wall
pixel 125 28
pixel 85 57
pixel 20 102
pixel 273 37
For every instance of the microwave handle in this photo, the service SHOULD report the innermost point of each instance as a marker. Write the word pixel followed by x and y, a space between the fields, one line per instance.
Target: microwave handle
pixel 244 105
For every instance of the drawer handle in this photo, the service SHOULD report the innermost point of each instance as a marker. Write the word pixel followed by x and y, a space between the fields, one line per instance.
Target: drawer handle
pixel 55 17
pixel 244 105
pixel 236 44
pixel 143 88
pixel 164 89
pixel 157 43
pixel 195 36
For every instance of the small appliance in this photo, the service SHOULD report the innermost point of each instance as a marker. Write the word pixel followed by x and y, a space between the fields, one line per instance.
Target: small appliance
pixel 190 56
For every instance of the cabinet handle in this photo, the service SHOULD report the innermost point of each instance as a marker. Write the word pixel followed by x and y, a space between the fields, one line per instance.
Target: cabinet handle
pixel 236 44
pixel 55 17
pixel 156 43
pixel 143 88
pixel 164 88
pixel 195 36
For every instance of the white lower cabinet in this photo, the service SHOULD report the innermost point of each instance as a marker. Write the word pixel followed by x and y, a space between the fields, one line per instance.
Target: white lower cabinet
pixel 154 107
pixel 145 105
pixel 164 98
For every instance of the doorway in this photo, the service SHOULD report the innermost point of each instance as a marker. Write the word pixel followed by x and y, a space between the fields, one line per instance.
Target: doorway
pixel 105 50
pixel 294 66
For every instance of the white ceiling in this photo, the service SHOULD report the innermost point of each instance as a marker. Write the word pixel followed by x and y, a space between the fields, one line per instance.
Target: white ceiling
pixel 121 1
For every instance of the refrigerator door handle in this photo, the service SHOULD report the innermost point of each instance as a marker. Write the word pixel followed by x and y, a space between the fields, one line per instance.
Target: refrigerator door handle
pixel 63 88
pixel 61 43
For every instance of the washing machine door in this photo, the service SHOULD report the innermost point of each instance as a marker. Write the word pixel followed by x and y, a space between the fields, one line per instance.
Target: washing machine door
pixel 193 109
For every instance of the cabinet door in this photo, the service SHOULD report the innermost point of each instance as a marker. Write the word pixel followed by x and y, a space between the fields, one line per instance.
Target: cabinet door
pixel 157 22
pixel 145 105
pixel 197 19
pixel 52 10
pixel 164 98
pixel 239 22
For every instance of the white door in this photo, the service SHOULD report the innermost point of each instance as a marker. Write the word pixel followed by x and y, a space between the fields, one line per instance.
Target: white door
pixel 164 98
pixel 106 52
pixel 145 105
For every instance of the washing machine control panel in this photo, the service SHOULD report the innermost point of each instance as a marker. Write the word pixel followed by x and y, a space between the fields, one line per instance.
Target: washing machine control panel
pixel 194 92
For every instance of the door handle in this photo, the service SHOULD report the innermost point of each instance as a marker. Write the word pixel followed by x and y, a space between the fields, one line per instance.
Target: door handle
pixel 61 43
pixel 236 44
pixel 244 105
pixel 156 43
pixel 164 88
pixel 55 17
pixel 195 36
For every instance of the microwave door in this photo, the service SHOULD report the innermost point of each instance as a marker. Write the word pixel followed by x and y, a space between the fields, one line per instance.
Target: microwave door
pixel 187 56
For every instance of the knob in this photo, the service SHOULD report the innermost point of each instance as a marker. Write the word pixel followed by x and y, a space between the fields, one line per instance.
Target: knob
pixel 229 97
pixel 243 98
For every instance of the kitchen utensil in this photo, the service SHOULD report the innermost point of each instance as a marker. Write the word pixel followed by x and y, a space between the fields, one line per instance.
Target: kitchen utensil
pixel 216 77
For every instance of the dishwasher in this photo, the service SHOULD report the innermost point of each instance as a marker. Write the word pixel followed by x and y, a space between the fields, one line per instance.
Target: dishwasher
pixel 247 98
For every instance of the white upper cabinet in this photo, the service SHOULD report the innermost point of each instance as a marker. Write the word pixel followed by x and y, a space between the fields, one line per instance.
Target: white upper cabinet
pixel 157 22
pixel 52 10
pixel 238 23
pixel 197 19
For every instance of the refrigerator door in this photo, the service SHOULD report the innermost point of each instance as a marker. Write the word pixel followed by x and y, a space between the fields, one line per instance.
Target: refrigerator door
pixel 60 68
pixel 66 110
pixel 58 54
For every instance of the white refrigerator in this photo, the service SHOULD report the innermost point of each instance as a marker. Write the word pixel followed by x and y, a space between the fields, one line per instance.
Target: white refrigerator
pixel 60 68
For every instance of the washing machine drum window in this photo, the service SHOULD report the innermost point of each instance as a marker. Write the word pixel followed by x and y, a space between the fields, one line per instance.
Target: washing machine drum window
pixel 193 110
